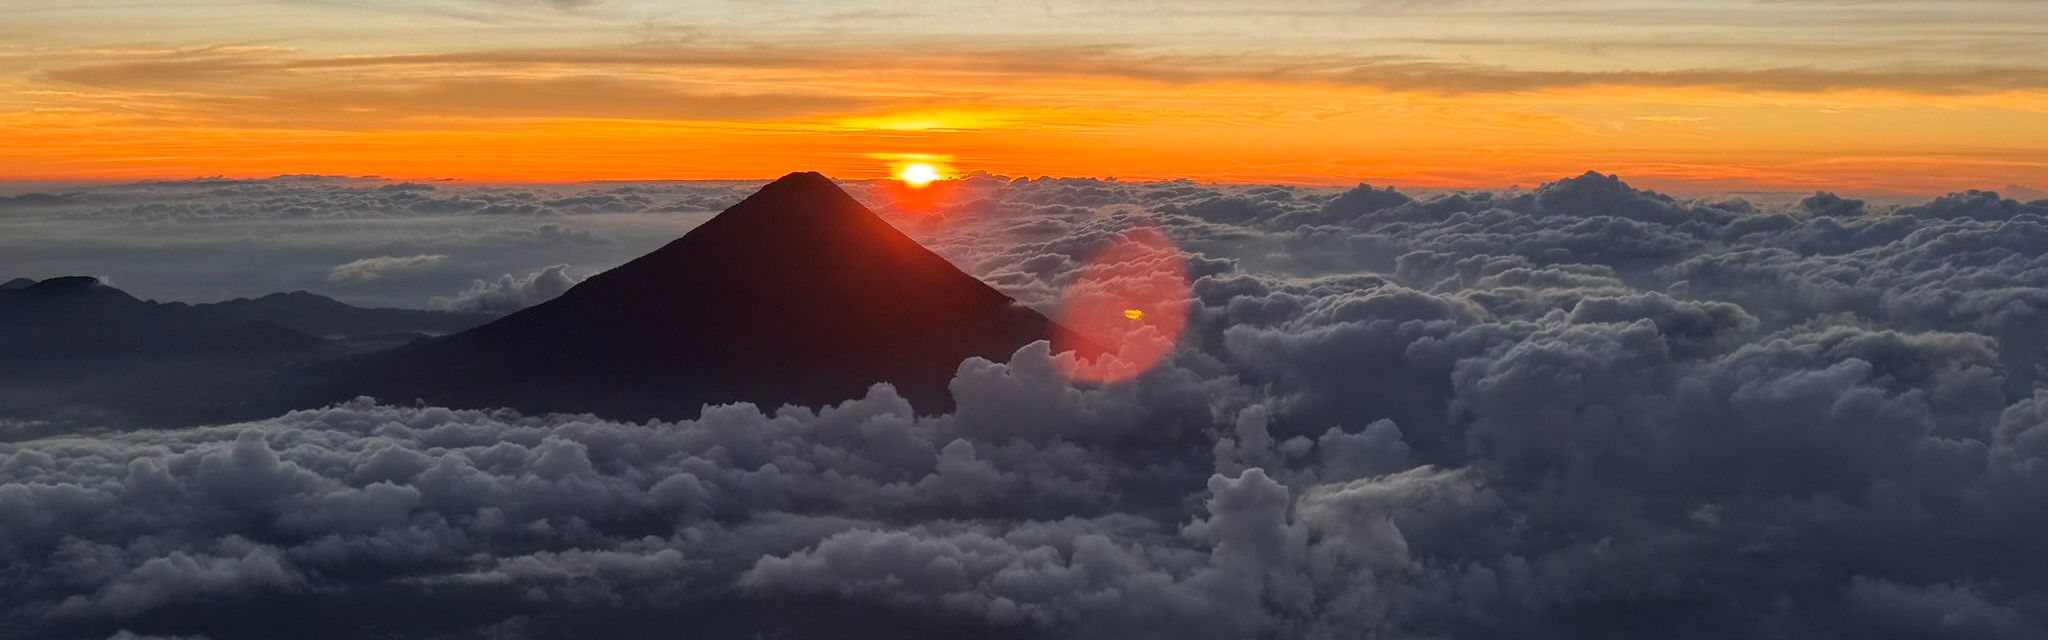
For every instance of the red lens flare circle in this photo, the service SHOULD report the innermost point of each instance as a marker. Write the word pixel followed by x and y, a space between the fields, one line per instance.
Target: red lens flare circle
pixel 1130 299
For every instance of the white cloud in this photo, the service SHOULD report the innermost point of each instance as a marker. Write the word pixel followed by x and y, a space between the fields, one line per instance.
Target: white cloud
pixel 510 293
pixel 368 269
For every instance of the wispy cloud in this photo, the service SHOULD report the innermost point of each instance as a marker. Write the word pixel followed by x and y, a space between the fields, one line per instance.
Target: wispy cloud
pixel 1403 88
pixel 368 269
pixel 958 61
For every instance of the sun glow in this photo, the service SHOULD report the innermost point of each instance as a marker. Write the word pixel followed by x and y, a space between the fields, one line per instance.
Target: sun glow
pixel 918 174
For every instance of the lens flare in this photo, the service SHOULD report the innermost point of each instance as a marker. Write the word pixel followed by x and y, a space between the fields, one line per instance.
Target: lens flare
pixel 1131 300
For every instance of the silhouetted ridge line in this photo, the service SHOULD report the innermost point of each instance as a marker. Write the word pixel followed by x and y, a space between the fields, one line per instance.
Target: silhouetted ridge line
pixel 72 342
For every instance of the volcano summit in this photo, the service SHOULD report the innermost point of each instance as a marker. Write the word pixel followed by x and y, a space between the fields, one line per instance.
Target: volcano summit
pixel 798 294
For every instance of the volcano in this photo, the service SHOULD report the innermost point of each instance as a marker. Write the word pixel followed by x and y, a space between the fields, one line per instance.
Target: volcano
pixel 798 294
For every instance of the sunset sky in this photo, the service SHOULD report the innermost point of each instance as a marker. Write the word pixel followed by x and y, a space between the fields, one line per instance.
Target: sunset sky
pixel 1877 96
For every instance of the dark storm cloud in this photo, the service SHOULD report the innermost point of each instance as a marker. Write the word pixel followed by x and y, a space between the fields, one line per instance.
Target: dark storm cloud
pixel 1579 411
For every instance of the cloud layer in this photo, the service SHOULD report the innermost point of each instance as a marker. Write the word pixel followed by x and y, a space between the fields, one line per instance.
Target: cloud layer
pixel 1581 411
pixel 207 240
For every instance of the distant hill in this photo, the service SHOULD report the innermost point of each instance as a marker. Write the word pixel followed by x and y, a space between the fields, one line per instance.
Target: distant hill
pixel 799 294
pixel 78 317
pixel 75 346
pixel 323 316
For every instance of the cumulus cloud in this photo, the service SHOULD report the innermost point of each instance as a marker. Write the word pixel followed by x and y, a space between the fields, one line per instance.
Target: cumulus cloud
pixel 1583 411
pixel 431 500
pixel 510 293
pixel 367 269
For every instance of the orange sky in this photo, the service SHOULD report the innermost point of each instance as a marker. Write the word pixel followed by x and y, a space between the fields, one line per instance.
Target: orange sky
pixel 1900 96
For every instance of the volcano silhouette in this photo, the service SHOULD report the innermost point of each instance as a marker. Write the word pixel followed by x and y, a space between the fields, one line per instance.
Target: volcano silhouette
pixel 798 294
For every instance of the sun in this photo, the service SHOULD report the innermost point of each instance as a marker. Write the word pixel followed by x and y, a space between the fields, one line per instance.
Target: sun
pixel 918 174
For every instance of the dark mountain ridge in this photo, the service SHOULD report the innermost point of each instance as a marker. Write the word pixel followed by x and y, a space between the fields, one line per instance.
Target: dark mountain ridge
pixel 76 317
pixel 74 346
pixel 81 313
pixel 323 316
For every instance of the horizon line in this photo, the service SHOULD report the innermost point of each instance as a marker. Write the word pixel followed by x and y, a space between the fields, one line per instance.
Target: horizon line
pixel 29 185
